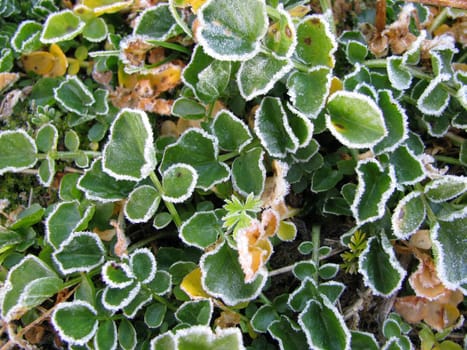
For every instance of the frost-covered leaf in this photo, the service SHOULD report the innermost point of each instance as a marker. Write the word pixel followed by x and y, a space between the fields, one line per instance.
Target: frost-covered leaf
pixel 28 217
pixel 142 203
pixel 328 271
pixel 95 30
pixel 126 335
pixel 355 119
pixel 231 30
pixel 161 284
pixel 446 188
pixel 380 268
pixel 46 172
pixel 178 182
pixel 263 318
pixel 399 77
pixel 396 122
pixel 161 220
pixel 114 299
pixel 273 128
pixel 154 315
pixel 143 264
pixel 106 335
pixel 434 99
pixel 450 244
pixel 71 141
pixel 324 326
pixel 188 108
pixel 164 341
pixel 61 26
pixel 355 51
pixel 231 132
pixel 304 269
pixel 201 230
pixel 100 186
pixel 408 169
pixel 18 151
pixel 287 334
pixel 408 215
pixel 143 297
pixel 80 252
pixel 325 178
pixel 299 298
pixel 258 75
pixel 363 340
pixel 281 36
pixel 74 96
pixel 129 154
pixel 27 285
pixel 76 322
pixel 315 42
pixel 200 150
pixel 309 90
pixel 202 337
pixel 26 37
pixel 221 269
pixel 156 23
pixel 117 275
pixel 375 186
pixel 249 173
pixel 196 312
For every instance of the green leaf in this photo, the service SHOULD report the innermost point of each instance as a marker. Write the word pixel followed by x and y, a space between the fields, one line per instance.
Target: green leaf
pixel 287 231
pixel 196 312
pixel 263 318
pixel 178 182
pixel 449 244
pixel 202 337
pixel 434 99
pixel 325 178
pixel 99 186
pixel 129 154
pixel 328 271
pixel 161 220
pixel 200 150
pixel 39 290
pixel 315 42
pixel 156 23
pixel 76 322
pixel 26 37
pixel 71 141
pixel 446 188
pixel 46 172
pixel 355 119
pixel 6 65
pixel 231 132
pixel 126 335
pixel 106 335
pixel 281 36
pixel 15 289
pixel 220 269
pixel 143 297
pixel 273 129
pixel 95 30
pixel 399 77
pixel 61 26
pixel 409 170
pixel 309 90
pixel 304 269
pixel 324 326
pixel 117 275
pixel 18 151
pixel 164 341
pixel 28 217
pixel 142 203
pixel 380 268
pixel 355 51
pixel 375 186
pixel 74 96
pixel 201 230
pixel 161 284
pixel 154 315
pixel 188 108
pixel 143 264
pixel 363 340
pixel 258 75
pixel 114 299
pixel 408 215
pixel 249 173
pixel 396 122
pixel 80 252
pixel 213 80
pixel 232 30
pixel 65 218
pixel 299 298
pixel 332 290
pixel 288 335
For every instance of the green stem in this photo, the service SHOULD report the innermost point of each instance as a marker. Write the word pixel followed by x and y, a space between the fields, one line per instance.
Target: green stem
pixel 448 160
pixel 171 46
pixel 265 299
pixel 326 7
pixel 315 238
pixel 458 140
pixel 170 206
pixel 440 19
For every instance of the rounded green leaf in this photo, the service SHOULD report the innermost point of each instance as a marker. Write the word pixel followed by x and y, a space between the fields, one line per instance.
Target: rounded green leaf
pixel 28 217
pixel 18 151
pixel 76 322
pixel 126 335
pixel 202 337
pixel 61 26
pixel 72 140
pixel 46 172
pixel 287 231
pixel 38 290
pixel 156 23
pixel 201 230
pixel 143 265
pixel 355 119
pixel 287 334
pixel 408 215
pixel 249 173
pixel 26 37
pixel 363 340
pixel 95 30
pixel 129 154
pixel 74 96
pixel 446 188
pixel 324 326
pixel 398 75
pixel 196 312
pixel 232 132
pixel 188 108
pixel 408 168
pixel 161 220
pixel 114 299
pixel 435 98
pixel 164 341
pixel 106 335
pixel 281 36
pixel 116 275
pixel 81 252
pixel 220 269
pixel 315 42
pixel 380 268
pixel 263 318
pixel 154 315
pixel 178 182
pixel 232 30
pixel 258 75
pixel 161 284
pixel 142 203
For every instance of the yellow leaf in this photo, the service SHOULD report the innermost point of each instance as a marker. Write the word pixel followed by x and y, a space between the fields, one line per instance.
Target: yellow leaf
pixel 60 63
pixel 7 79
pixel 106 6
pixel 287 231
pixel 191 285
pixel 39 62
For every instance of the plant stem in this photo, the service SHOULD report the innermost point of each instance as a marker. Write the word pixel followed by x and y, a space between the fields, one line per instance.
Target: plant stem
pixel 315 238
pixel 443 15
pixel 326 8
pixel 170 206
pixel 281 270
pixel 449 160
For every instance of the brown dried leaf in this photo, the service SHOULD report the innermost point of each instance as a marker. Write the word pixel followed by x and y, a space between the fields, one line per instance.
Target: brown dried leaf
pixel 227 319
pixel 411 308
pixel 421 239
pixel 424 280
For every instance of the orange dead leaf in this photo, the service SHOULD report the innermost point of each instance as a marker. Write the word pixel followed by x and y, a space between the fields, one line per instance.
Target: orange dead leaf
pixel 411 308
pixel 424 280
pixel 421 240
pixel 7 80
pixel 270 221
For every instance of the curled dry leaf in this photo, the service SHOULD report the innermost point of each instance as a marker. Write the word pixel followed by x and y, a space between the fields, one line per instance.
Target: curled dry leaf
pixel 7 80
pixel 424 280
pixel 228 318
pixel 421 240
